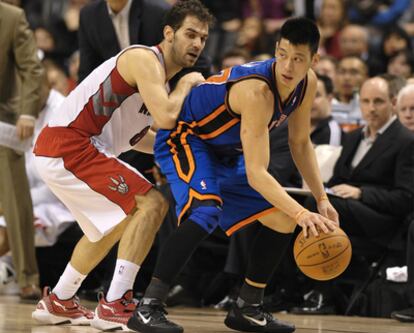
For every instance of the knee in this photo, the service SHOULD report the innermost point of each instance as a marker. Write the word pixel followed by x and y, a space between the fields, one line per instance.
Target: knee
pixel 153 202
pixel 206 216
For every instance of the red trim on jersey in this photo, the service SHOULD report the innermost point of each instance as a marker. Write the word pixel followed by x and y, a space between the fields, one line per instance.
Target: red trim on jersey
pixel 90 122
pixel 103 174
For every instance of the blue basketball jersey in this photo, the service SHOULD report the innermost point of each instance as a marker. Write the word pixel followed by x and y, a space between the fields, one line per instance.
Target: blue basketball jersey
pixel 202 156
pixel 208 114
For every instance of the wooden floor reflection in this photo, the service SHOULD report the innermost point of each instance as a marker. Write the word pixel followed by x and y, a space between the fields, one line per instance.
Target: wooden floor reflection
pixel 15 317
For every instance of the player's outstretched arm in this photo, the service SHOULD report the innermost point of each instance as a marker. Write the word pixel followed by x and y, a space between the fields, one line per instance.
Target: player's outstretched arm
pixel 254 101
pixel 303 153
pixel 141 68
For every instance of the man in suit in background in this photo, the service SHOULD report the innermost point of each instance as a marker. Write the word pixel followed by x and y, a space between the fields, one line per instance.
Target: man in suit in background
pixel 373 176
pixel 107 27
pixel 20 82
pixel 373 179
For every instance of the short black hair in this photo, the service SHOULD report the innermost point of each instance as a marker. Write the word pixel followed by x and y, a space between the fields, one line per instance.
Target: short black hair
pixel 301 30
pixel 327 82
pixel 183 8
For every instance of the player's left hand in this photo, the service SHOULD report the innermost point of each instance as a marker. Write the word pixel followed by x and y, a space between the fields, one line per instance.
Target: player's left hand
pixel 25 128
pixel 347 191
pixel 326 209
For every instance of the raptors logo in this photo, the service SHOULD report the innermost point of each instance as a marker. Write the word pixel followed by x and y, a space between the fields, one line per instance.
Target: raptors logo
pixel 120 185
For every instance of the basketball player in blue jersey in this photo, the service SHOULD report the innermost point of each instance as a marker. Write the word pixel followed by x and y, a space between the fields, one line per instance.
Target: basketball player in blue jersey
pixel 216 161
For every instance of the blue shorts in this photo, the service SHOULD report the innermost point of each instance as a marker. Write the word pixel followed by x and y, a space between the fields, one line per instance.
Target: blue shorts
pixel 198 177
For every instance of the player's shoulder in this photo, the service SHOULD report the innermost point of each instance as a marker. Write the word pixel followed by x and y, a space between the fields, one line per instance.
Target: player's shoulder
pixel 254 88
pixel 140 55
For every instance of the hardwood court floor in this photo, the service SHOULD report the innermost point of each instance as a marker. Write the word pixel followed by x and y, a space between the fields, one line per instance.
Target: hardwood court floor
pixel 15 317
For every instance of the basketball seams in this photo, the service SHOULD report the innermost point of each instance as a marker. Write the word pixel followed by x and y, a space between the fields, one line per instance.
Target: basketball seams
pixel 323 262
pixel 343 236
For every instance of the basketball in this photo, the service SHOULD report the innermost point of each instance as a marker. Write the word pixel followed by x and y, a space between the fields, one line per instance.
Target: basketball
pixel 324 257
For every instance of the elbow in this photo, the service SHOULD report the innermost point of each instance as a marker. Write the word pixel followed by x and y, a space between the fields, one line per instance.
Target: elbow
pixel 252 178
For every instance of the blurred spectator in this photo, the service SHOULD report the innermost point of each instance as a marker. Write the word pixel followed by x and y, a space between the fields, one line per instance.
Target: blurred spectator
pixel 394 39
pixel 74 61
pixel 353 41
pixel 401 64
pixel 234 57
pixel 351 73
pixel 407 20
pixel 100 35
pixel 223 35
pixel 262 57
pixel 395 84
pixel 51 217
pixel 251 36
pixel 330 21
pixel 327 65
pixel 405 106
pixel 45 41
pixel 61 19
pixel 273 13
pixel 374 191
pixel 57 77
pixel 324 129
pixel 377 13
pixel 20 81
pixel 407 315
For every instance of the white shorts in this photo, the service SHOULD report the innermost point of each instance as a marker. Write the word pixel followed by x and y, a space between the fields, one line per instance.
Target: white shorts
pixel 98 189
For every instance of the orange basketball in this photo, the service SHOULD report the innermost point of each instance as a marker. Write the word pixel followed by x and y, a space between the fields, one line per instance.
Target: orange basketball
pixel 324 257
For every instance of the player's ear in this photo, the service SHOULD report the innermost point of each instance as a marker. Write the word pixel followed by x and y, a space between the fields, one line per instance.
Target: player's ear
pixel 168 33
pixel 315 59
pixel 276 46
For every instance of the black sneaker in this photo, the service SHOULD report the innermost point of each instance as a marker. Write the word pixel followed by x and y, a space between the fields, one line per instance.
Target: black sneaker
pixel 252 318
pixel 406 315
pixel 149 317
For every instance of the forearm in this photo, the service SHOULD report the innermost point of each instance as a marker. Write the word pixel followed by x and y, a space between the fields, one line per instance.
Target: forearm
pixel 273 192
pixel 146 144
pixel 305 160
pixel 167 119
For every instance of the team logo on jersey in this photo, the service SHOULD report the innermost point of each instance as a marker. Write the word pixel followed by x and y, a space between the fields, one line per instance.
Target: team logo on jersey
pixel 137 137
pixel 120 185
pixel 276 123
pixel 203 185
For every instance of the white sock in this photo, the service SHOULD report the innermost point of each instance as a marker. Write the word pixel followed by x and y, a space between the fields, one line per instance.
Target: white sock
pixel 69 283
pixel 123 279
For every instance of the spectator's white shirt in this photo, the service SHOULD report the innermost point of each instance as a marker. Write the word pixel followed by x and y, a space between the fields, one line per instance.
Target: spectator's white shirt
pixel 121 24
pixel 51 216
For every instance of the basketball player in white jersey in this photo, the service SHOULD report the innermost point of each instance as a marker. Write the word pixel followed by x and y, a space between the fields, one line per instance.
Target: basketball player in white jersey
pixel 110 112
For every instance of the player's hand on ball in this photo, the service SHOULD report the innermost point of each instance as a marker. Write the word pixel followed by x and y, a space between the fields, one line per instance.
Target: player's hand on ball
pixel 311 222
pixel 193 78
pixel 326 209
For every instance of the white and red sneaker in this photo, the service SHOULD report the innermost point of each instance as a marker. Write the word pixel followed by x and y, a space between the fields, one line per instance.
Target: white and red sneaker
pixel 52 310
pixel 114 315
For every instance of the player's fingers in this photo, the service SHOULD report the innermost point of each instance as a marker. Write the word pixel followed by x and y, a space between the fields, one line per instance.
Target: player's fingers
pixel 313 230
pixel 305 231
pixel 323 227
pixel 331 225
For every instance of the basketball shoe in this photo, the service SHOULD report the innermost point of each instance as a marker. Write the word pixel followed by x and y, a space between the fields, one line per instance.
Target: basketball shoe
pixel 252 318
pixel 149 317
pixel 52 310
pixel 114 315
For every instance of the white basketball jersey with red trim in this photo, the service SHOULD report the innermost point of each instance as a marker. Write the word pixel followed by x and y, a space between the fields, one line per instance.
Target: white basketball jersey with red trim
pixel 107 109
